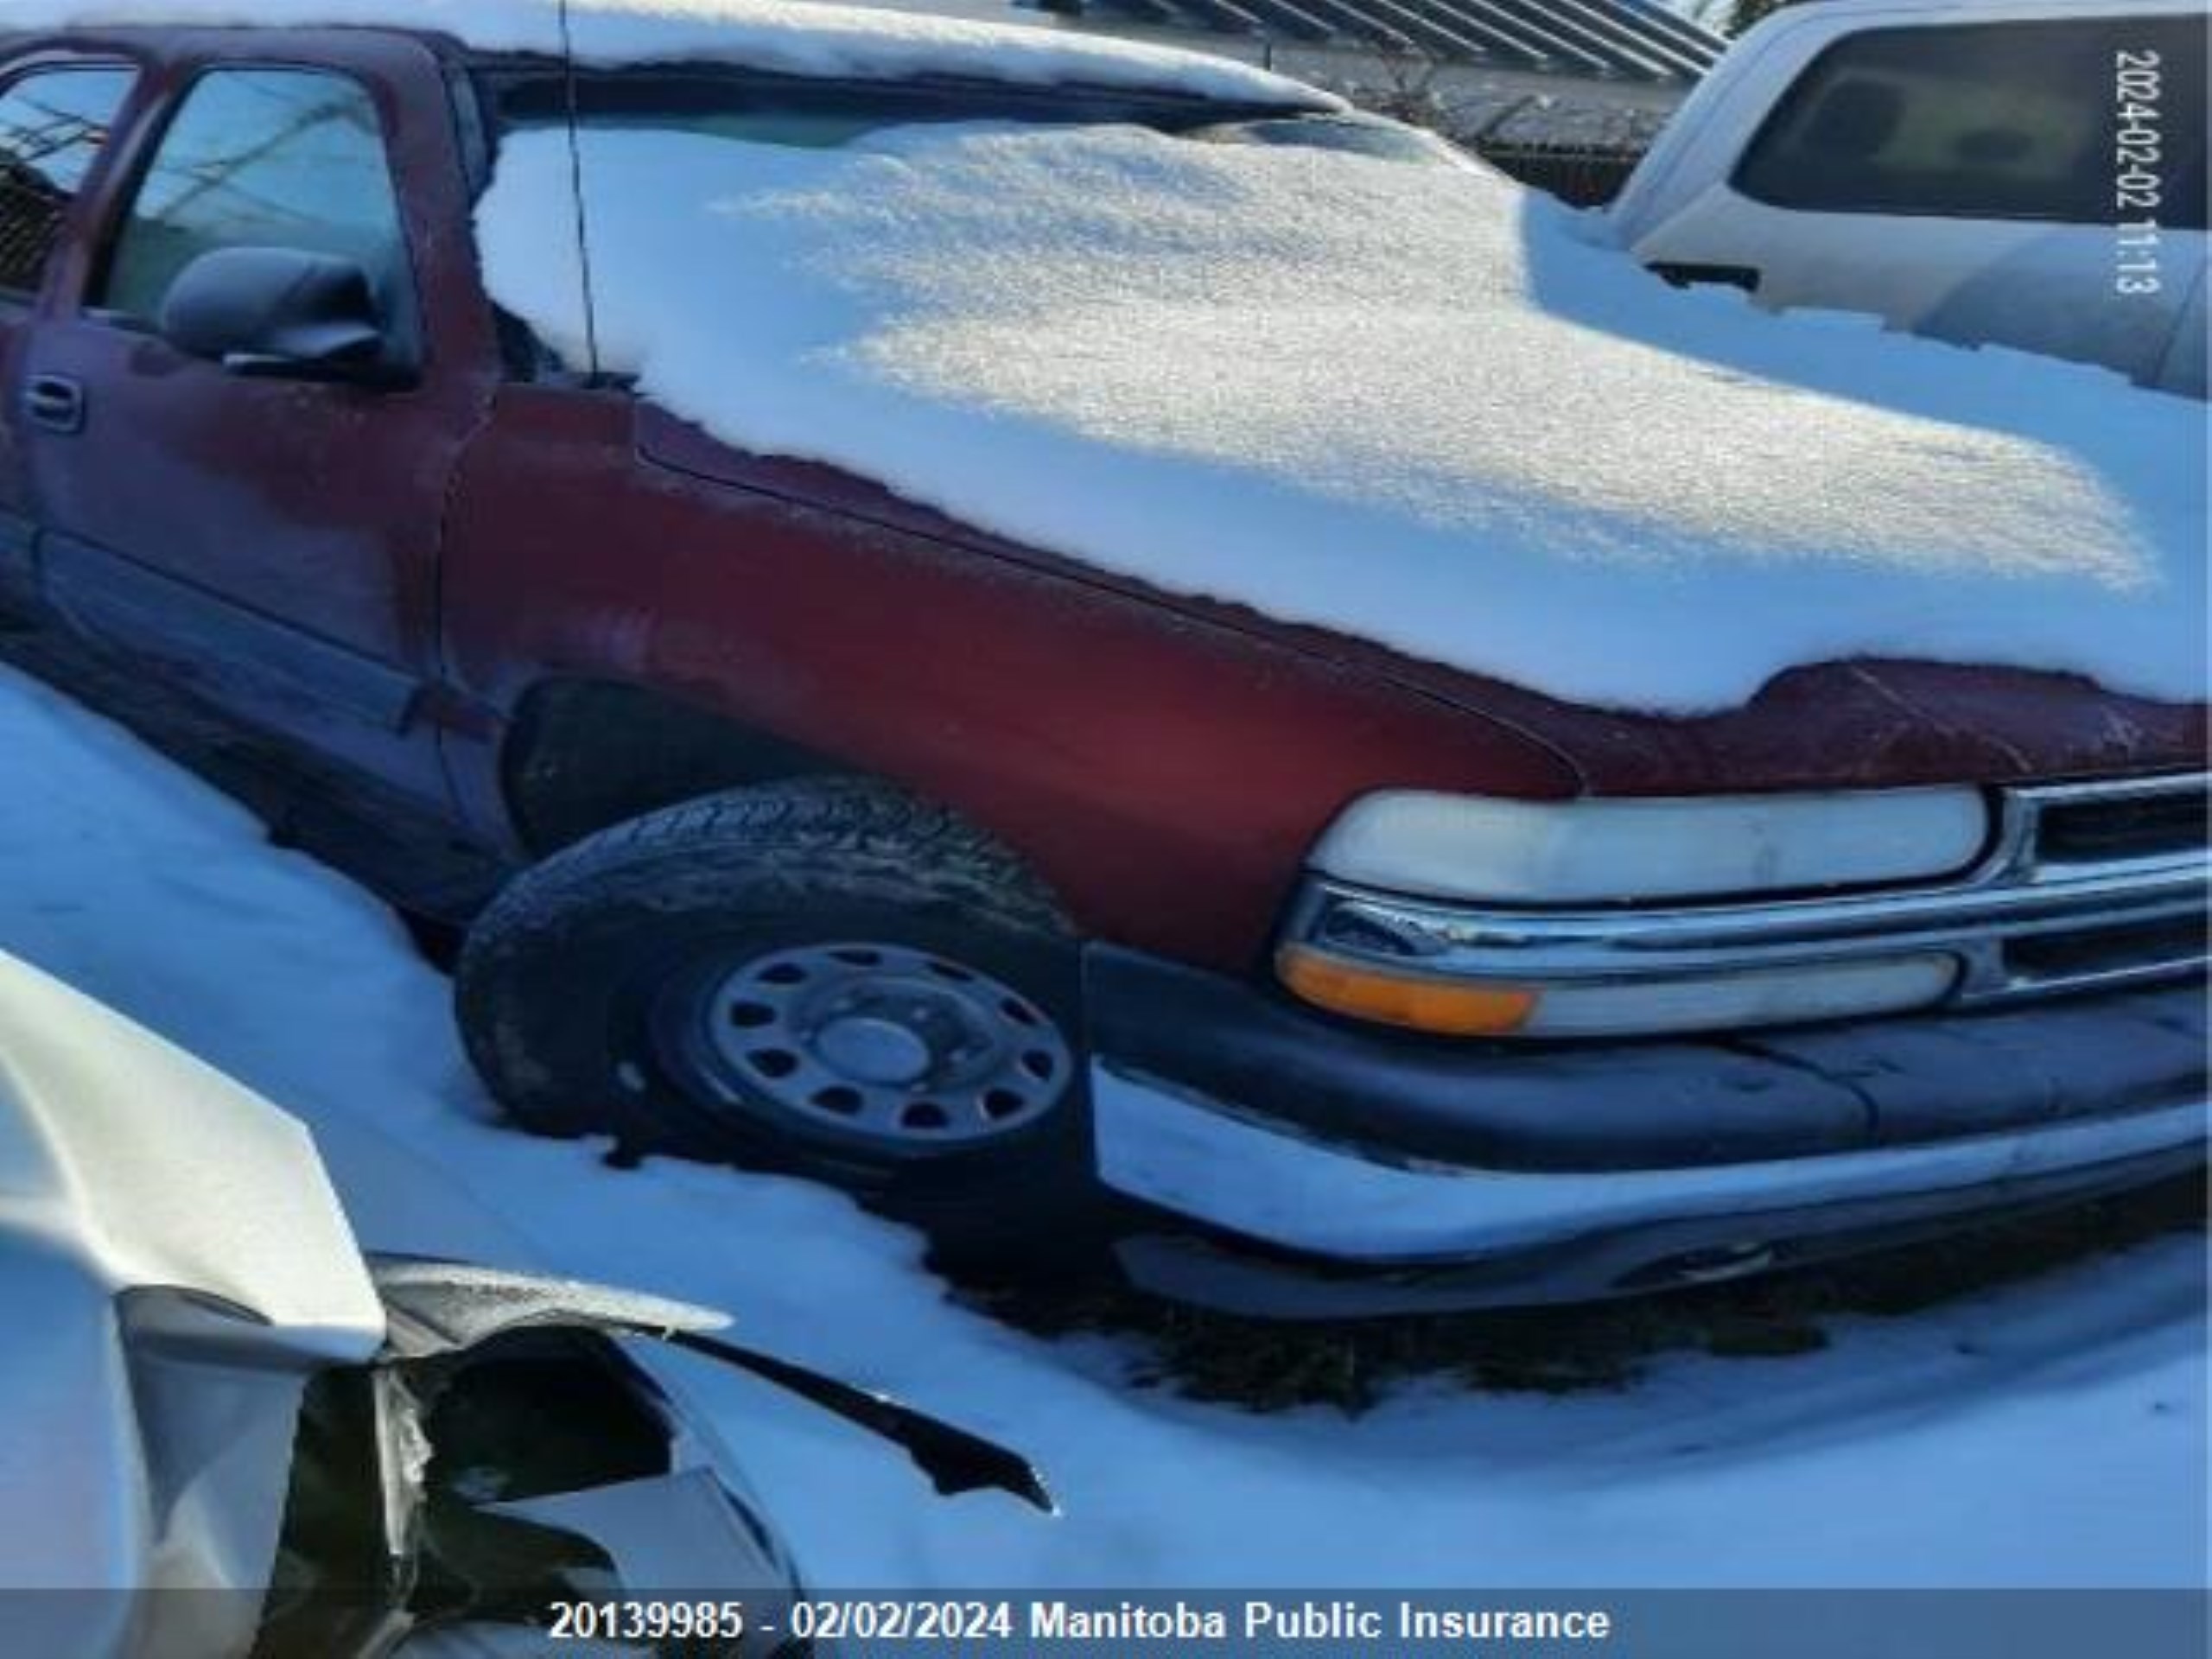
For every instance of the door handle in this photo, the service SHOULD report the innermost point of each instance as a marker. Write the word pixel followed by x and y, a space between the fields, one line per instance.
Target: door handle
pixel 56 402
pixel 1746 277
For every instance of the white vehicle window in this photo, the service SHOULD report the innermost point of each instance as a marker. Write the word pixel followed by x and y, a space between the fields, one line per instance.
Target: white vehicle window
pixel 1988 121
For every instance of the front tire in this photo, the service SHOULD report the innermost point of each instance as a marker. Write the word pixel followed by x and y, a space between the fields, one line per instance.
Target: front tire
pixel 825 977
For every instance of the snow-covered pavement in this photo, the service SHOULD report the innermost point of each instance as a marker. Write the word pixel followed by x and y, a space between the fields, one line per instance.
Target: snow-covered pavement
pixel 2052 1433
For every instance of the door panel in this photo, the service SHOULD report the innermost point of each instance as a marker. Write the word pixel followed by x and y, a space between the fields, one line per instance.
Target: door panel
pixel 272 543
pixel 2184 367
pixel 2039 288
pixel 222 651
pixel 312 507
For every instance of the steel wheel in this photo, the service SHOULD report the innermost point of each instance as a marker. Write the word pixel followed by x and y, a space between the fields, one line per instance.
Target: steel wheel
pixel 907 1048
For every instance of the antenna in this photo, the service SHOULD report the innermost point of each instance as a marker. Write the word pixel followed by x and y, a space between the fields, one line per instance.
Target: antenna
pixel 574 99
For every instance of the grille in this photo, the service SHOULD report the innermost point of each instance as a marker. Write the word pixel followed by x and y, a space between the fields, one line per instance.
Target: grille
pixel 2163 822
pixel 2135 850
pixel 2088 957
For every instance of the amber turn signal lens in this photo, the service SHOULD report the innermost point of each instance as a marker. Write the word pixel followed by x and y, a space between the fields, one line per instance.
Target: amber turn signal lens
pixel 1433 1006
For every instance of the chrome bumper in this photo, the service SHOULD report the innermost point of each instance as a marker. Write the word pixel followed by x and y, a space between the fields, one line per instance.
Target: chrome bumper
pixel 1210 1162
pixel 1314 1150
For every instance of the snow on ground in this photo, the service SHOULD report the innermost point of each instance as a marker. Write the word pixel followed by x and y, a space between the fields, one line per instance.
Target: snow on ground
pixel 1407 401
pixel 805 37
pixel 2052 1434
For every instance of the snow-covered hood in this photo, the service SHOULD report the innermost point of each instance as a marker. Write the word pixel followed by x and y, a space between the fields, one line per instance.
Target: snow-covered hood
pixel 174 1266
pixel 1407 403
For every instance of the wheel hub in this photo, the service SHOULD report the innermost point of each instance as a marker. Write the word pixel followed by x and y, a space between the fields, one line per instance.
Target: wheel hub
pixel 880 1040
pixel 869 1048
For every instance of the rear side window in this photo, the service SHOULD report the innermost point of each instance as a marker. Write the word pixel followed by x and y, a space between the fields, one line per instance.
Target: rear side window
pixel 53 124
pixel 262 158
pixel 1985 121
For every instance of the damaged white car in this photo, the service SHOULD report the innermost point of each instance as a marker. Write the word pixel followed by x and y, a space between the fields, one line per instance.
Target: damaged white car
pixel 232 1433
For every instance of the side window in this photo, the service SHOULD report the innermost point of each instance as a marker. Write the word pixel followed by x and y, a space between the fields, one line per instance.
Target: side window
pixel 1982 121
pixel 53 124
pixel 263 158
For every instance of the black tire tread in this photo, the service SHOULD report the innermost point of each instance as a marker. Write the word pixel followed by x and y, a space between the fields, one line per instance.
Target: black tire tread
pixel 867 827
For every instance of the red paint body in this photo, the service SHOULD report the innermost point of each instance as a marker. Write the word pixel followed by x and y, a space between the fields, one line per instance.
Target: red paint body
pixel 1163 763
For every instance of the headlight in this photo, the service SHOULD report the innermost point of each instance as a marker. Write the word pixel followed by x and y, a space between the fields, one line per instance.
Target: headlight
pixel 1615 851
pixel 1462 917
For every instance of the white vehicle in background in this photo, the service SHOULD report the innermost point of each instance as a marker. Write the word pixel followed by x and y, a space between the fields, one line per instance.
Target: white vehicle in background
pixel 210 1395
pixel 2023 173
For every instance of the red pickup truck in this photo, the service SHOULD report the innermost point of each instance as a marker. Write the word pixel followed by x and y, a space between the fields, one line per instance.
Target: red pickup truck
pixel 796 823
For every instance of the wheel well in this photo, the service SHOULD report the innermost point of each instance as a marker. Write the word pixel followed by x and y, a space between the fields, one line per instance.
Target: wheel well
pixel 585 754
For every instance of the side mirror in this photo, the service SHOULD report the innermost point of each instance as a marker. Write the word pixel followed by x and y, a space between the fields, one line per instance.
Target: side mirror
pixel 279 314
